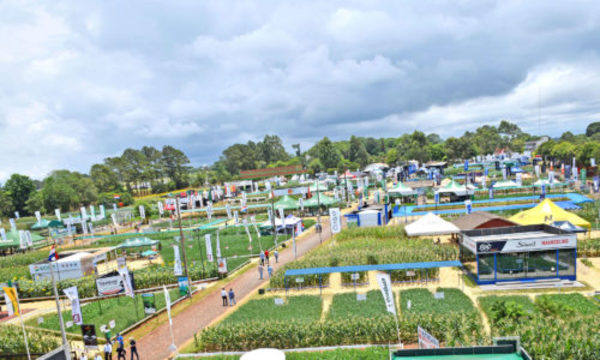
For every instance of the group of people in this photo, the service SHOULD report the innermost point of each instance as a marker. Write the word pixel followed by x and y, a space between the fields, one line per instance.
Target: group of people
pixel 121 352
pixel 264 257
pixel 228 295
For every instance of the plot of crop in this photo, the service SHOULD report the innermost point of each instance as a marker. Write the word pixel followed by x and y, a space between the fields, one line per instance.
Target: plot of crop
pixel 565 304
pixel 523 301
pixel 423 301
pixel 301 308
pixel 345 305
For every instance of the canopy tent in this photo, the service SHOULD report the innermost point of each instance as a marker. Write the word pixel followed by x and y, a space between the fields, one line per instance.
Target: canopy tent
pixel 40 225
pixel 137 242
pixel 455 188
pixel 323 199
pixel 567 226
pixel 547 212
pixel 546 182
pixel 286 203
pixel 431 224
pixel 505 185
pixel 401 190
pixel 289 221
pixel 148 253
pixel 13 240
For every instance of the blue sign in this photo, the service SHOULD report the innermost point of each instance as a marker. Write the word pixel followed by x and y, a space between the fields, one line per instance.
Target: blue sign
pixel 468 206
pixel 486 171
pixel 543 196
pixel 466 165
pixel 436 196
pixel 491 192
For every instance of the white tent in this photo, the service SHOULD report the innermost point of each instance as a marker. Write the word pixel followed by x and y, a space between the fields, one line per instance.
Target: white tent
pixel 401 190
pixel 290 221
pixel 431 224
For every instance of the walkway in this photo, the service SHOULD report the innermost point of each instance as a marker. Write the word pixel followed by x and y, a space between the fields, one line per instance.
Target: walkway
pixel 199 315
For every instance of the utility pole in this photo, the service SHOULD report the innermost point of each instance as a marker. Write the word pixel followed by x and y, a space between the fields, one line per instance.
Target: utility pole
pixel 319 212
pixel 182 238
pixel 347 191
pixel 273 217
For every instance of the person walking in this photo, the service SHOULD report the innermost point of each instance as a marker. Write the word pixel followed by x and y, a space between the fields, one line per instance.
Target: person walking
pixel 262 258
pixel 120 340
pixel 224 296
pixel 121 353
pixel 260 271
pixel 98 356
pixel 270 271
pixel 267 255
pixel 107 351
pixel 83 356
pixel 133 348
pixel 231 298
pixel 276 254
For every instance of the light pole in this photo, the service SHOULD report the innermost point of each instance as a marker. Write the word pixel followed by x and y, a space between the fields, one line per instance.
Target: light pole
pixel 319 212
pixel 182 238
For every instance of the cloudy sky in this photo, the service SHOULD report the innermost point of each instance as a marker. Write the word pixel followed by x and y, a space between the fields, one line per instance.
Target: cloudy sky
pixel 83 80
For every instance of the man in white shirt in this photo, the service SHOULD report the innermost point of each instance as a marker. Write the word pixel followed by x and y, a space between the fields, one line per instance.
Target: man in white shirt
pixel 107 351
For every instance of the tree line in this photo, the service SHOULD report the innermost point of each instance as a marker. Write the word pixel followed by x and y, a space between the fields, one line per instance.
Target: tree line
pixel 150 170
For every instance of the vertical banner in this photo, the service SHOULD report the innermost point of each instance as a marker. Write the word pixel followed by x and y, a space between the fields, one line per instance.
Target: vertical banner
pixel 236 217
pixel 177 270
pixel 466 165
pixel 593 162
pixel 491 192
pixel 222 266
pixel 228 210
pixel 13 225
pixel 468 206
pixel 436 197
pixel 114 206
pixel 161 209
pixel 385 285
pixel 17 216
pixel 93 212
pixel 113 216
pixel 301 203
pixel 102 211
pixel 209 252
pixel 253 220
pixel 73 296
pixel 270 215
pixel 168 304
pixel 2 234
pixel 519 179
pixel 84 226
pixel 335 220
pixel 149 301
pixel 126 277
pixel 543 195
pixel 282 215
pixel 38 216
pixel 218 249
pixel 83 213
pixel 550 177
pixel 22 240
pixel 10 298
pixel 245 222
pixel 142 211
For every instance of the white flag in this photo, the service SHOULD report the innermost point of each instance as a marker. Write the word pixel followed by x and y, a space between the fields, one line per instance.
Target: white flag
pixel 218 247
pixel 73 296
pixel 177 270
pixel 161 209
pixel 253 219
pixel 335 220
pixel 102 211
pixel 83 213
pixel 282 215
pixel 17 216
pixel 13 225
pixel 209 252
pixel 247 232
pixel 126 281
pixel 228 210
pixel 142 212
pixel 301 202
pixel 3 234
pixel 38 216
pixel 236 217
pixel 9 307
pixel 113 216
pixel 385 285
pixel 168 304
pixel 93 212
pixel 22 240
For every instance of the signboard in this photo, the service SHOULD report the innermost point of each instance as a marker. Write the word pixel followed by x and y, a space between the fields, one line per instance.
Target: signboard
pixel 291 191
pixel 299 280
pixel 177 270
pixel 410 273
pixel 222 266
pixel 335 220
pixel 184 285
pixel 278 301
pixel 439 295
pixel 385 285
pixel 112 324
pixel 90 340
pixel 277 171
pixel 355 276
pixel 149 301
pixel 110 285
pixel 361 297
pixel 426 340
pixel 208 243
pixel 521 245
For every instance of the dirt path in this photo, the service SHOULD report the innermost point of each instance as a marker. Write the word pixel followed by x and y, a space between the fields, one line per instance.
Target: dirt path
pixel 197 316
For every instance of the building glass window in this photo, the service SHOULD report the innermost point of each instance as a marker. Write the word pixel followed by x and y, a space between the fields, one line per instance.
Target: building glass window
pixel 511 266
pixel 566 262
pixel 541 264
pixel 486 267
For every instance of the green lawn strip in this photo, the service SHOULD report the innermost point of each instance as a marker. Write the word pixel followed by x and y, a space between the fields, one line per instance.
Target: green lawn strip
pixel 303 308
pixel 423 301
pixel 487 302
pixel 100 312
pixel 345 305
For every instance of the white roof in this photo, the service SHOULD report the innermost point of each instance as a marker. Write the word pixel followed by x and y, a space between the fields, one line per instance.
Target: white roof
pixel 431 224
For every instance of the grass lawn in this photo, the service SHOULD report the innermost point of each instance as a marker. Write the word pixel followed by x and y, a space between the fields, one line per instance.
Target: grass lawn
pixel 423 301
pixel 299 308
pixel 121 309
pixel 345 305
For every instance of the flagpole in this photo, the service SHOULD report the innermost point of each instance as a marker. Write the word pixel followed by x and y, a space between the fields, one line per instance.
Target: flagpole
pixel 318 211
pixel 60 318
pixel 23 325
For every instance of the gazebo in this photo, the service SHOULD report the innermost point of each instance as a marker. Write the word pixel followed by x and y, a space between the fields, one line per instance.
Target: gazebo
pixel 548 212
pixel 286 203
pixel 431 224
pixel 401 190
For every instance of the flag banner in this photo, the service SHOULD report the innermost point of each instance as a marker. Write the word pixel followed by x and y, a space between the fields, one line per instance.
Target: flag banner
pixel 468 206
pixel 38 216
pixel 301 203
pixel 161 209
pixel 290 191
pixel 13 225
pixel 93 212
pixel 17 216
pixel 184 285
pixel 102 212
pixel 335 220
pixel 3 234
pixel 247 231
pixel 22 240
pixel 222 266
pixel 84 226
pixel 91 226
pixel 73 296
pixel 83 213
pixel 127 282
pixel 550 177
pixel 253 219
pixel 519 180
pixel 113 216
pixel 177 270
pixel 209 251
pixel 491 192
pixel 385 285
pixel 270 215
pixel 228 210
pixel 142 211
pixel 281 215
pixel 10 298
pixel 168 304
pixel 28 238
pixel 593 162
pixel 218 250
pixel 436 197
pixel 114 207
pixel 236 217
pixel 426 340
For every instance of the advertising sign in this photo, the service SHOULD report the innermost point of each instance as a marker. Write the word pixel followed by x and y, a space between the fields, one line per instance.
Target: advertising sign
pixel 149 301
pixel 73 296
pixel 208 243
pixel 184 285
pixel 385 285
pixel 509 246
pixel 110 285
pixel 89 336
pixel 291 191
pixel 177 270
pixel 335 220
pixel 222 266
pixel 426 340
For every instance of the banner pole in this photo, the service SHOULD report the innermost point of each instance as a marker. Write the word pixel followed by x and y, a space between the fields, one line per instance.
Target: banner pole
pixel 60 318
pixel 23 326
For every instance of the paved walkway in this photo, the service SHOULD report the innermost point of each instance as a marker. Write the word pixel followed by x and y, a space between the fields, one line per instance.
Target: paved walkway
pixel 188 322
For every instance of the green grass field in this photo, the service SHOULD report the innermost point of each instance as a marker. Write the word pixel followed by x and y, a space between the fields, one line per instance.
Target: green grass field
pixel 345 305
pixel 121 309
pixel 303 308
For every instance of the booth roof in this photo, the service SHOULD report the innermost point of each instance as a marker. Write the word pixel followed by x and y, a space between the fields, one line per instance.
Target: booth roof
pixel 137 242
pixel 431 224
pixel 287 203
pixel 548 212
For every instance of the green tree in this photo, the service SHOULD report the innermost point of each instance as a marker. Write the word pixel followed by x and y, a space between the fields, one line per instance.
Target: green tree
pixel 19 188
pixel 436 151
pixel 357 152
pixel 327 153
pixel 459 148
pixel 297 148
pixel 564 150
pixel 105 178
pixel 315 166
pixel 6 206
pixel 592 129
pixel 391 158
pixel 36 203
pixel 272 150
pixel 175 163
